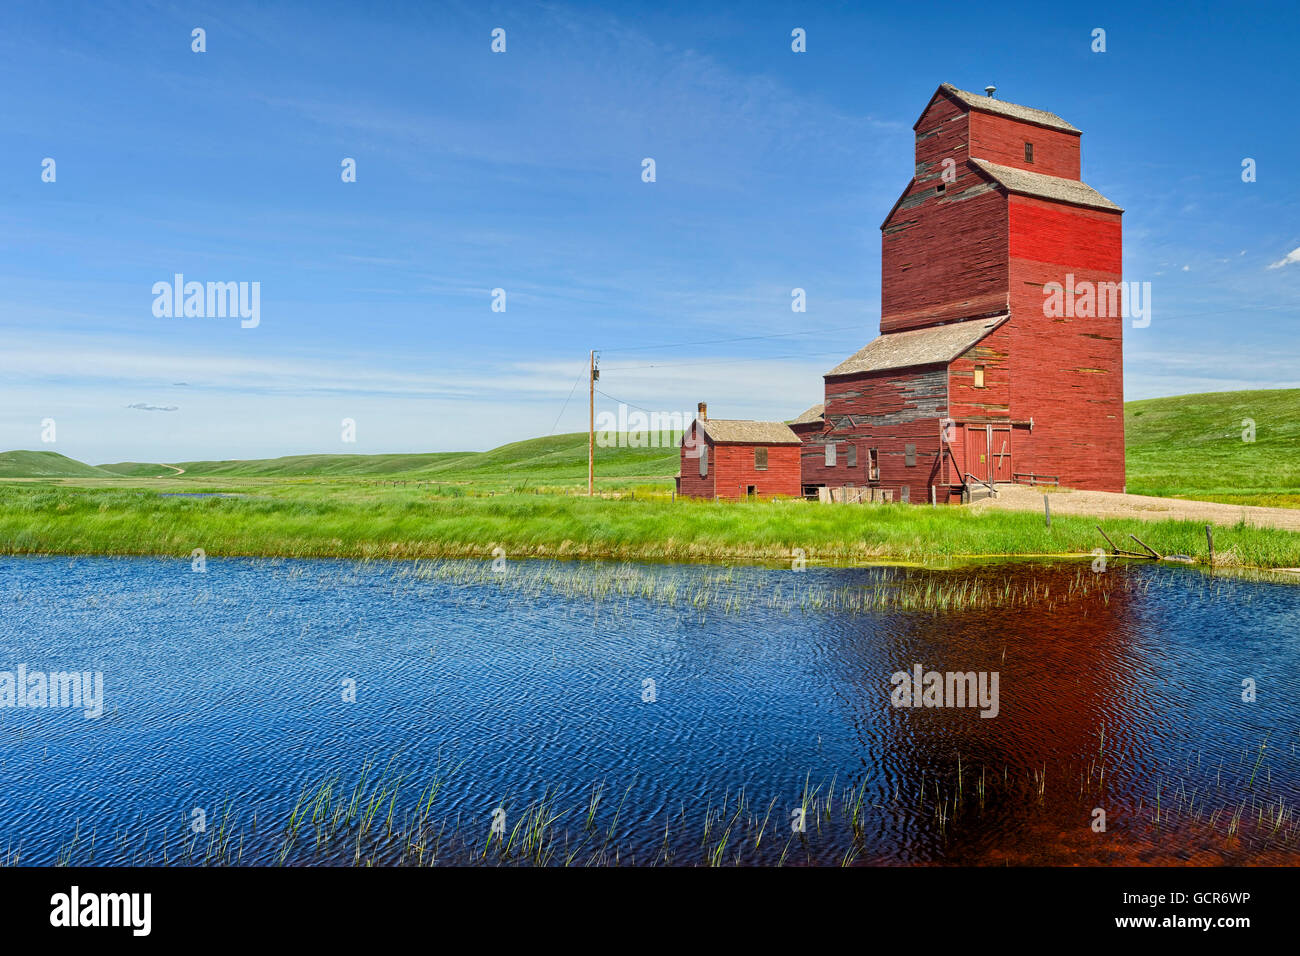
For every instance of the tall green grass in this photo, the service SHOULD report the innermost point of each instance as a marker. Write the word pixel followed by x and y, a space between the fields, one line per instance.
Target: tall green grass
pixel 305 520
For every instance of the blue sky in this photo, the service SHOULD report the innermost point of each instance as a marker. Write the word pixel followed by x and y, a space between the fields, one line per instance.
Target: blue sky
pixel 522 171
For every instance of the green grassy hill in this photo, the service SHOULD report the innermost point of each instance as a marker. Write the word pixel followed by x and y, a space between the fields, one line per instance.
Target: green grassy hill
pixel 324 465
pixel 1191 446
pixel 46 464
pixel 1188 446
pixel 556 457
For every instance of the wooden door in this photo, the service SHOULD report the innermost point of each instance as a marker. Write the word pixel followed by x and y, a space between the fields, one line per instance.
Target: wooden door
pixel 1001 449
pixel 978 461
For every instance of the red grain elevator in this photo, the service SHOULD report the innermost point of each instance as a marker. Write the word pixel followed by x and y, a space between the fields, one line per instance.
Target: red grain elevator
pixel 981 372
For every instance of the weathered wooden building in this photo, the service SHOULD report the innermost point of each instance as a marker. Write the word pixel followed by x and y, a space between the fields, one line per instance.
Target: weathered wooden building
pixel 730 458
pixel 975 376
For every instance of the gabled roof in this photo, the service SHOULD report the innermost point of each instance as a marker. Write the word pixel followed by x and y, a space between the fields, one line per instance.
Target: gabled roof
pixel 989 104
pixel 1044 187
pixel 938 344
pixel 812 415
pixel 737 431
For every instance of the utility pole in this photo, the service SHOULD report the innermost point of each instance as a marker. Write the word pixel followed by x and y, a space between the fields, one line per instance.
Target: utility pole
pixel 591 426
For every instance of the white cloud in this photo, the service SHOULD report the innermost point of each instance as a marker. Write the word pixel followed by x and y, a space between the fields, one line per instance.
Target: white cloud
pixel 1288 259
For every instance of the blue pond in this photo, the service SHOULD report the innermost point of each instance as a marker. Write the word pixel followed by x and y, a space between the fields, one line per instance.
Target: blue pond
pixel 647 714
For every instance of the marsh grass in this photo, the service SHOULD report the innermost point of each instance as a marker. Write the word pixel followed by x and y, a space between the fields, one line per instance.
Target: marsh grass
pixel 385 819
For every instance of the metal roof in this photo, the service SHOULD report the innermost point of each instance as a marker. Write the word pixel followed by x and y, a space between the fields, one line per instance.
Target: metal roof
pixel 938 344
pixel 1045 187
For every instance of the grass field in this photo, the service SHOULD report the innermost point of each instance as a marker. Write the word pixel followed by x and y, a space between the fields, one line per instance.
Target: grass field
pixel 1192 447
pixel 525 498
pixel 368 519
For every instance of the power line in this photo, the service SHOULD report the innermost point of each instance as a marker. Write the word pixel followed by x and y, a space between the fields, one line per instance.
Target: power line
pixel 765 358
pixel 566 403
pixel 746 338
pixel 628 404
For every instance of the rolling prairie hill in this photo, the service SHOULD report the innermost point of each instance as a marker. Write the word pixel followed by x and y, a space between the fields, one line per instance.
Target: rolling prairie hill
pixel 1194 446
pixel 1187 446
pixel 553 458
pixel 46 464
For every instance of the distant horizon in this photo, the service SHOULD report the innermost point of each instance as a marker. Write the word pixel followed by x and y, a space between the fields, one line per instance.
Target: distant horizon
pixel 478 451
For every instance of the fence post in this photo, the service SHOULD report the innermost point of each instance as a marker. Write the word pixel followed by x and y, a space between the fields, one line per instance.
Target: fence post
pixel 1209 537
pixel 1047 511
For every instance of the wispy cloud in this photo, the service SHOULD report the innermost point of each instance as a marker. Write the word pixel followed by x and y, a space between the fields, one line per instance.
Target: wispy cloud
pixel 1291 257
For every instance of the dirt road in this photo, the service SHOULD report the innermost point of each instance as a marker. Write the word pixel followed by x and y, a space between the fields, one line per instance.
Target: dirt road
pixel 1107 504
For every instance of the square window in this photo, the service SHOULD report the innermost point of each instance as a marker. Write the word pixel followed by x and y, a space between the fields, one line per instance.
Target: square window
pixel 760 459
pixel 830 455
pixel 851 455
pixel 979 376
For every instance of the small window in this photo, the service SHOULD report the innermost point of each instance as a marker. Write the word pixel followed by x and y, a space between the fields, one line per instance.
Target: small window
pixel 1029 152
pixel 750 491
pixel 942 187
pixel 905 494
pixel 851 455
pixel 704 461
pixel 909 455
pixel 830 455
pixel 979 376
pixel 873 464
pixel 760 459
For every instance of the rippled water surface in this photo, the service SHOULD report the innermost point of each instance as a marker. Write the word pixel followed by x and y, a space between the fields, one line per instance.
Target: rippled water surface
pixel 530 690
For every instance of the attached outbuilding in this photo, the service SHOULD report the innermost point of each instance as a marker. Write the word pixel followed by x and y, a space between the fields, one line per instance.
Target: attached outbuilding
pixel 735 458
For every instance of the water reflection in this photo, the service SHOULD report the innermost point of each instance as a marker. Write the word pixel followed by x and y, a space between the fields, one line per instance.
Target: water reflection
pixel 652 714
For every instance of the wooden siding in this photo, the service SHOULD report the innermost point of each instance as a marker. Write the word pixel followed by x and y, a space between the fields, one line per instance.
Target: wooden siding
pixel 944 255
pixel 731 471
pixel 888 411
pixel 993 401
pixel 691 484
pixel 735 471
pixel 1067 373
pixel 1001 139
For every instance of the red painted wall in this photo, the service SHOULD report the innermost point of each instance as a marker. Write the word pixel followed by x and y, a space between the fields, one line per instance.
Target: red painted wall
pixel 993 401
pixel 1001 139
pixel 1067 373
pixel 943 255
pixel 691 484
pixel 887 411
pixel 735 470
pixel 731 471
